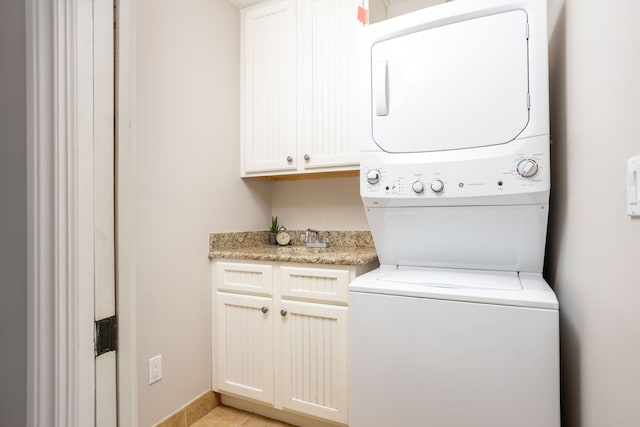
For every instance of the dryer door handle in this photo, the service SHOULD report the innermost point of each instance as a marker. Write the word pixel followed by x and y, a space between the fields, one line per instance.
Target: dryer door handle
pixel 380 87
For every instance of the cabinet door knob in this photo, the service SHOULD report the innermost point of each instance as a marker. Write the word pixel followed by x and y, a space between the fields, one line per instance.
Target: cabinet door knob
pixel 289 159
pixel 283 313
pixel 265 309
pixel 307 157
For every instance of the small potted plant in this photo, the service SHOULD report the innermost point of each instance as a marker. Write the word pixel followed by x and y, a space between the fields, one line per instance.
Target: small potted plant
pixel 273 230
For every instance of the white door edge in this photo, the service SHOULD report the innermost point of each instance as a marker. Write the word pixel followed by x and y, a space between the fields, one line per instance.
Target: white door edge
pixel 60 380
pixel 60 366
pixel 125 215
pixel 103 109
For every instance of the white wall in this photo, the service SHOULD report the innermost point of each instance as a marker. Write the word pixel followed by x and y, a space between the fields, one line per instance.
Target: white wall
pixel 323 204
pixel 187 185
pixel 594 248
pixel 13 215
pixel 377 11
pixel 400 7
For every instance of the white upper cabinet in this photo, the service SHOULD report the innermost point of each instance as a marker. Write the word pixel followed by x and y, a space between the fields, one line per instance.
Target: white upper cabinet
pixel 300 72
pixel 328 75
pixel 268 88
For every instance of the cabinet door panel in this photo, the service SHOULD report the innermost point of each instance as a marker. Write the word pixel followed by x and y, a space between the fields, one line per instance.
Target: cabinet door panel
pixel 268 88
pixel 329 80
pixel 245 346
pixel 314 359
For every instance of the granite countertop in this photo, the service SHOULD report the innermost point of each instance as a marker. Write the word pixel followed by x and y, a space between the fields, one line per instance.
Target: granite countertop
pixel 345 248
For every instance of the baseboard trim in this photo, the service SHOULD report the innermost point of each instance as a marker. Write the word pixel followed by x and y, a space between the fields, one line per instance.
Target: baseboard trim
pixel 192 411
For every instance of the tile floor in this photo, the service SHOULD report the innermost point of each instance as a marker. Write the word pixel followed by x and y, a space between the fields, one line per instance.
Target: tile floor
pixel 231 417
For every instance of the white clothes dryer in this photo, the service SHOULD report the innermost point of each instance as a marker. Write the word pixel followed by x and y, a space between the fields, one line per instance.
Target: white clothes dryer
pixel 457 328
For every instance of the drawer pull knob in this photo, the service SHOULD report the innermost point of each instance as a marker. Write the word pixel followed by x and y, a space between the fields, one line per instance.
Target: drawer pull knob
pixel 283 313
pixel 265 309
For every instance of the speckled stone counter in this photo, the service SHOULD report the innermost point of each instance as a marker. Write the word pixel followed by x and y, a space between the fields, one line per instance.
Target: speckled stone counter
pixel 345 248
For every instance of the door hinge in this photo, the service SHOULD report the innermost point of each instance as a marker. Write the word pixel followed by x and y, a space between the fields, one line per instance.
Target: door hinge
pixel 106 338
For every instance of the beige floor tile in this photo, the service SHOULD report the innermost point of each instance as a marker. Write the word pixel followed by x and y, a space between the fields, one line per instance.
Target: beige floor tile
pixel 222 416
pixel 200 407
pixel 259 421
pixel 178 419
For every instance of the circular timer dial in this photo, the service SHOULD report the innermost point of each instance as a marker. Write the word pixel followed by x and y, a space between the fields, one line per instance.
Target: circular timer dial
pixel 373 176
pixel 418 187
pixel 437 186
pixel 283 238
pixel 527 168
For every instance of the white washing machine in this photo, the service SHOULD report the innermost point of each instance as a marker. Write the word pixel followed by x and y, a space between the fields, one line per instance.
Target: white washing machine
pixel 457 328
pixel 438 347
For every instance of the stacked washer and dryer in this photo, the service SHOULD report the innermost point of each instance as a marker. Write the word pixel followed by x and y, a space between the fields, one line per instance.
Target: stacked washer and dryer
pixel 457 328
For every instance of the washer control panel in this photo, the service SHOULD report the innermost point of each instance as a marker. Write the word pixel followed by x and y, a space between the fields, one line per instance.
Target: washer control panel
pixel 525 171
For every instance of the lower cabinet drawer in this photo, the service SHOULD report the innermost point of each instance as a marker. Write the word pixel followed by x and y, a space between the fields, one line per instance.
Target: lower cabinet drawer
pixel 314 284
pixel 255 279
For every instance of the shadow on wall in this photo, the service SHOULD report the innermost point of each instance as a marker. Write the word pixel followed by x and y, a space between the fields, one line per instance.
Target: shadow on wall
pixel 260 192
pixel 569 340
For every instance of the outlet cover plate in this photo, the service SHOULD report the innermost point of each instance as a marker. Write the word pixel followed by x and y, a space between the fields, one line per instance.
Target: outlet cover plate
pixel 633 186
pixel 155 369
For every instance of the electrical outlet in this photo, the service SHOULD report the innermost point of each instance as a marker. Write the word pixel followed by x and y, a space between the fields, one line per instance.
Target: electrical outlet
pixel 155 369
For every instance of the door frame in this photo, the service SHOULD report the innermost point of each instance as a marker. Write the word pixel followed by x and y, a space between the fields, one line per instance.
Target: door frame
pixel 60 229
pixel 125 214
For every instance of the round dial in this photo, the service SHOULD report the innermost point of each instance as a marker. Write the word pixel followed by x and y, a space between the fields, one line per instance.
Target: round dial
pixel 283 238
pixel 437 186
pixel 373 176
pixel 527 168
pixel 418 187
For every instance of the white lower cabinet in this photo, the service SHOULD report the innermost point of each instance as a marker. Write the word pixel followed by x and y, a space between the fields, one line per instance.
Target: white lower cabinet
pixel 280 339
pixel 245 345
pixel 313 354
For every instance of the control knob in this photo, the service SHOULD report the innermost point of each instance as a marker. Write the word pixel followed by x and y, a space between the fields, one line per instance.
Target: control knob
pixel 527 168
pixel 418 187
pixel 437 186
pixel 373 176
